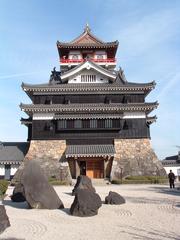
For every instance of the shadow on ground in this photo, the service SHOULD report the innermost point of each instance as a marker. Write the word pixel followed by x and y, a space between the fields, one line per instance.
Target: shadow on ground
pixel 148 234
pixel 20 205
pixel 165 190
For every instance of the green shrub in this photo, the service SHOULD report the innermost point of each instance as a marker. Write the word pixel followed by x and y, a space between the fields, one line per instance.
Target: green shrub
pixel 54 181
pixel 58 182
pixel 3 187
pixel 141 180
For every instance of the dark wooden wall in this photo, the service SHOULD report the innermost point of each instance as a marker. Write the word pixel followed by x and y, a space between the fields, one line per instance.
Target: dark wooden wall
pixel 115 98
pixel 130 128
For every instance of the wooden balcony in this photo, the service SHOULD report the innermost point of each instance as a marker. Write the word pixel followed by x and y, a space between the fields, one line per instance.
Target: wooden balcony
pixel 76 61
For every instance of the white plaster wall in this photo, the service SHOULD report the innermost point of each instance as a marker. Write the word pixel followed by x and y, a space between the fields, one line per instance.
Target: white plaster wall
pixel 78 53
pixel 100 53
pixel 174 170
pixel 88 72
pixel 40 116
pixel 128 115
pixel 14 168
pixel 2 170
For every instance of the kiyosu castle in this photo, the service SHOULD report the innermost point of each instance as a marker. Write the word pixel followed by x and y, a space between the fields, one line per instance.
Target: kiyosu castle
pixel 89 119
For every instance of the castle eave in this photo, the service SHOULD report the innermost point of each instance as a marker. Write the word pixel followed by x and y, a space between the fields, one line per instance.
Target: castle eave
pixel 88 108
pixel 90 151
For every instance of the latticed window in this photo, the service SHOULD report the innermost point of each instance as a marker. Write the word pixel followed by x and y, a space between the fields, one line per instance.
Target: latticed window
pixel 75 56
pixel 61 124
pixel 108 123
pixel 88 78
pixel 100 56
pixel 78 123
pixel 93 123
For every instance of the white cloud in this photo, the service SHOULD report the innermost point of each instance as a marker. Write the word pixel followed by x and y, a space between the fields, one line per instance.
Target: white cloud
pixel 171 81
pixel 149 31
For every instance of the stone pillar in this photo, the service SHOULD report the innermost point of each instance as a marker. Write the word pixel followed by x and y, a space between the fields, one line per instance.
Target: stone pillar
pixel 51 156
pixel 135 157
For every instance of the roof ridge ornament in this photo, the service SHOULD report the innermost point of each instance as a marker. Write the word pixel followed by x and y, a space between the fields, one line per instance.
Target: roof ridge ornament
pixel 54 77
pixel 122 75
pixel 87 28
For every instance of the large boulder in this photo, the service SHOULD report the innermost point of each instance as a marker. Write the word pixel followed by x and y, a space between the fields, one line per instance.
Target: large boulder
pixel 18 193
pixel 83 182
pixel 114 198
pixel 4 220
pixel 86 203
pixel 38 192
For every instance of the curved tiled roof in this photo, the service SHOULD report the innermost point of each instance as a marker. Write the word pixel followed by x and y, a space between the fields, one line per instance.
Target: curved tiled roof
pixel 89 108
pixel 90 150
pixel 90 87
pixel 87 39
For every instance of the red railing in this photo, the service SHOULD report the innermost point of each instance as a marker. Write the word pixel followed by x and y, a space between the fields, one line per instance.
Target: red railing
pixel 107 60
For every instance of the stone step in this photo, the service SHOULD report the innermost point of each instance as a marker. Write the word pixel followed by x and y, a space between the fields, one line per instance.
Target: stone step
pixel 95 181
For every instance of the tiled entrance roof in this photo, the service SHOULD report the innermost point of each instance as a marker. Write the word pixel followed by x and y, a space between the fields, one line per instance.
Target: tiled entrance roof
pixel 90 150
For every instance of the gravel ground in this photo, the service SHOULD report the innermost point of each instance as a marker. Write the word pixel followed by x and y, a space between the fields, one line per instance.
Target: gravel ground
pixel 150 212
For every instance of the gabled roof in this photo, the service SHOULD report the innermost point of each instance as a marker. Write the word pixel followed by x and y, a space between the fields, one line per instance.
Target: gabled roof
pixel 88 65
pixel 87 39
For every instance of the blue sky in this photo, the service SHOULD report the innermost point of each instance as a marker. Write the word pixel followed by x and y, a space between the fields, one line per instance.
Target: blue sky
pixel 149 49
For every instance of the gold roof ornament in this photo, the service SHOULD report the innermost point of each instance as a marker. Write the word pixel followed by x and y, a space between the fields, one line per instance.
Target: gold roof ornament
pixel 87 28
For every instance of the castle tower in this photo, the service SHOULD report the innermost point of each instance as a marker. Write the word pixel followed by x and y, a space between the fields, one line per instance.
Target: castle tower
pixel 88 119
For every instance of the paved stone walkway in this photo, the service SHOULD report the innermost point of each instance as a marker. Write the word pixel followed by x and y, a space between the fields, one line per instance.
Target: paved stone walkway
pixel 151 212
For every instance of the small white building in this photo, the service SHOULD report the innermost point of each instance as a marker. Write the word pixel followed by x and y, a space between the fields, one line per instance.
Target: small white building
pixel 11 156
pixel 172 163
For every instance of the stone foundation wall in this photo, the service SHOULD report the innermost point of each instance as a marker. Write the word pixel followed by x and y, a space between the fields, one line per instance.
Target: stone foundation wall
pixel 135 157
pixel 50 154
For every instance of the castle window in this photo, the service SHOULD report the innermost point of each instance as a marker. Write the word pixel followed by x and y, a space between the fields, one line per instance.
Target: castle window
pixel 108 123
pixel 93 123
pixel 61 124
pixel 100 56
pixel 88 78
pixel 74 57
pixel 78 123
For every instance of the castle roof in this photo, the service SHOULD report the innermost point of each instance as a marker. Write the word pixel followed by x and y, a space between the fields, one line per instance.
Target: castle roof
pixel 88 108
pixel 86 39
pixel 88 65
pixel 90 88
